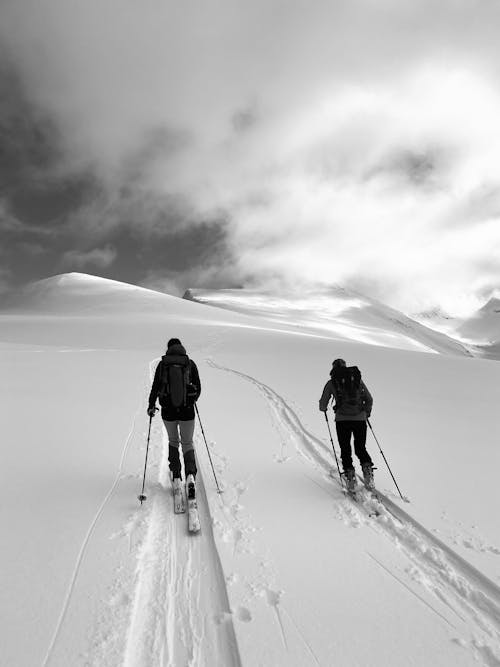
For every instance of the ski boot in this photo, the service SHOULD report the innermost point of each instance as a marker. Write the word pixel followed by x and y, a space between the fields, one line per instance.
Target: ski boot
pixel 191 490
pixel 350 476
pixel 368 476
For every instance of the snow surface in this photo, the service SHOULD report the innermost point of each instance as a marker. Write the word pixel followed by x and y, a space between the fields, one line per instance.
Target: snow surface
pixel 484 326
pixel 340 313
pixel 286 570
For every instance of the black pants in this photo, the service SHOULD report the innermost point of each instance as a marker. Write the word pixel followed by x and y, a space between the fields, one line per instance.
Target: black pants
pixel 344 431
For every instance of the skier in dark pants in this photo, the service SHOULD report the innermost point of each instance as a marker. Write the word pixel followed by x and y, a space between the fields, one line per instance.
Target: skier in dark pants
pixel 177 385
pixel 353 406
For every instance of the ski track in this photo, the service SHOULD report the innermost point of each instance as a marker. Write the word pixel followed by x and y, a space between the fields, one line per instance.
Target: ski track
pixel 456 584
pixel 86 540
pixel 180 613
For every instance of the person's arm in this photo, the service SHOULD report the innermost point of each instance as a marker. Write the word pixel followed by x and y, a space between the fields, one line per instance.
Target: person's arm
pixel 195 381
pixel 325 396
pixel 155 389
pixel 368 400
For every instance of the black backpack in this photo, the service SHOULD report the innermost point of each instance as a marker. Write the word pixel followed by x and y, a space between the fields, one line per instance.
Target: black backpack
pixel 175 378
pixel 350 399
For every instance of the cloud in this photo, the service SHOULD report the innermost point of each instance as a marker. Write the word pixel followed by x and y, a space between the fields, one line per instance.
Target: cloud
pixel 5 281
pixel 191 69
pixel 349 141
pixel 244 119
pixel 8 222
pixel 99 258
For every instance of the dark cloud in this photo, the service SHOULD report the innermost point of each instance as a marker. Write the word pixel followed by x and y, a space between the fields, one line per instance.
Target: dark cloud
pixel 156 144
pixel 426 168
pixel 35 197
pixel 28 137
pixel 121 249
pixel 245 119
pixel 97 258
pixel 51 221
pixel 173 261
pixel 232 140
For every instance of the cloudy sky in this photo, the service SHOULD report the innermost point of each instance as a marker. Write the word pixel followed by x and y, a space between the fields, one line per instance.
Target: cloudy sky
pixel 228 142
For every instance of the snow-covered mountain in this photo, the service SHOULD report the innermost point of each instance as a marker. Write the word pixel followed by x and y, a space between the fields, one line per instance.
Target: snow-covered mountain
pixel 484 326
pixel 80 293
pixel 286 571
pixel 337 312
pixel 479 332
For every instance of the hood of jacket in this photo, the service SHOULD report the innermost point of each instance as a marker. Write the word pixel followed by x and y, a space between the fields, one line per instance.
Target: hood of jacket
pixel 176 349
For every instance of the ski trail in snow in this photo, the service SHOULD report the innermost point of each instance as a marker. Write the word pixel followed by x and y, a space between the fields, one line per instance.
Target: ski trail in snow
pixel 180 613
pixel 303 637
pixel 86 540
pixel 434 565
pixel 399 580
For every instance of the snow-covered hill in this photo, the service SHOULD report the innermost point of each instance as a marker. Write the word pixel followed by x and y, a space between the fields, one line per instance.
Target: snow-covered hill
pixel 483 326
pixel 286 571
pixel 339 313
pixel 479 332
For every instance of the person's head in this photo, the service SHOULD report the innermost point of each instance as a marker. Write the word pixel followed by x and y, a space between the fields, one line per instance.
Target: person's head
pixel 338 363
pixel 173 341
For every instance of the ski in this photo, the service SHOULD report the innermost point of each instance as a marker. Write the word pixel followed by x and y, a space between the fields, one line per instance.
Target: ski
pixel 179 500
pixel 362 495
pixel 353 495
pixel 348 493
pixel 356 494
pixel 193 516
pixel 367 501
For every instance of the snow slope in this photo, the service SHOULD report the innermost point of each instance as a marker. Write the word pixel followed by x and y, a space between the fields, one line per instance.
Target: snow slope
pixel 337 312
pixel 484 325
pixel 480 332
pixel 286 570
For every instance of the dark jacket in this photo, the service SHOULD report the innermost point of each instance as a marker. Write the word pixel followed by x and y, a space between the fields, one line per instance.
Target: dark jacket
pixel 168 411
pixel 329 391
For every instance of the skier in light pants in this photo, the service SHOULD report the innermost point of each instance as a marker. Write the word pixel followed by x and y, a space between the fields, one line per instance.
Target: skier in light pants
pixel 177 385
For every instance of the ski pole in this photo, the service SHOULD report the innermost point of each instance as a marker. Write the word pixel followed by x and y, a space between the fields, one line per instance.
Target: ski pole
pixel 388 467
pixel 141 496
pixel 208 451
pixel 333 447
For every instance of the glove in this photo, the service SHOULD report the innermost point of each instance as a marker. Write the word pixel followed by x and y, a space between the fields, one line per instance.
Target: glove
pixel 322 409
pixel 152 411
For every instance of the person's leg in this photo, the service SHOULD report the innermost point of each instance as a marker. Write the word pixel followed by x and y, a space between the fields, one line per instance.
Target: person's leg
pixel 359 431
pixel 344 430
pixel 187 430
pixel 174 461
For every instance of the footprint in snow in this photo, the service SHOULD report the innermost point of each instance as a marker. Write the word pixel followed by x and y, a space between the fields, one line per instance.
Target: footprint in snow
pixel 243 614
pixel 223 617
pixel 280 458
